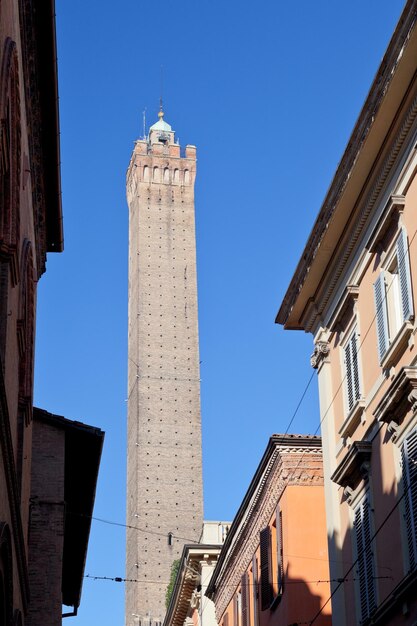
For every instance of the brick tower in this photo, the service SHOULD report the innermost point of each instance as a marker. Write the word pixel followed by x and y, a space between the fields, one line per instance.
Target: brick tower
pixel 164 461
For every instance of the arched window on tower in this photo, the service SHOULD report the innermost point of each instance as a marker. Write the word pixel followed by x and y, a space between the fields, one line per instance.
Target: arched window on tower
pixel 166 175
pixel 146 173
pixel 156 174
pixel 186 177
pixel 176 176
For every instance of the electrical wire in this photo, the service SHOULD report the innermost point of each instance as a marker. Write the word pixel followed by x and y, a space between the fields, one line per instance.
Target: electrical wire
pixel 118 579
pixel 142 530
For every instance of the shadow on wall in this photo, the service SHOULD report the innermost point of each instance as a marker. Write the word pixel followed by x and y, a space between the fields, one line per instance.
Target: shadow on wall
pixel 297 605
pixel 375 570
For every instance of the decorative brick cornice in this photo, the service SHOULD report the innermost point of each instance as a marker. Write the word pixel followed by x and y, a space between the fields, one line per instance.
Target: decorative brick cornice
pixel 285 465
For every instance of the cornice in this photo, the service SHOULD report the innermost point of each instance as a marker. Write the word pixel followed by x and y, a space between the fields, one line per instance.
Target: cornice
pixel 339 263
pixel 361 131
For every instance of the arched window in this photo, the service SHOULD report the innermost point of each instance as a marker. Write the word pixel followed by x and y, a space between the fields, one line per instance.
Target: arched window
pixel 146 173
pixel 6 576
pixel 166 175
pixel 176 176
pixel 25 337
pixel 186 177
pixel 25 330
pixel 156 174
pixel 10 155
pixel 17 618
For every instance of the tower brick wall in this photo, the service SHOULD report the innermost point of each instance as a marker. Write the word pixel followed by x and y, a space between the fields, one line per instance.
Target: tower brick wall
pixel 164 465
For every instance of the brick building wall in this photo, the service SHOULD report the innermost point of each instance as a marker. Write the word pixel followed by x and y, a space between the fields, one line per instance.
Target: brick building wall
pixel 47 517
pixel 164 473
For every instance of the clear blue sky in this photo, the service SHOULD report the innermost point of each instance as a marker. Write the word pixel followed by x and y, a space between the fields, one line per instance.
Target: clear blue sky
pixel 269 92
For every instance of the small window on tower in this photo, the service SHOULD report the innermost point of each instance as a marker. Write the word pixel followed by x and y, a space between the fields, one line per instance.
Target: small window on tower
pixel 156 174
pixel 176 176
pixel 186 177
pixel 166 175
pixel 146 173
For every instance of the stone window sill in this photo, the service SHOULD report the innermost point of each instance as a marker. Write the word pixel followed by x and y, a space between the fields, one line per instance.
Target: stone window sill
pixel 353 419
pixel 397 346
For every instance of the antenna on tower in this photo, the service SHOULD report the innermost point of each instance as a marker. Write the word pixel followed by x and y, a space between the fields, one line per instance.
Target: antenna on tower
pixel 144 123
pixel 161 111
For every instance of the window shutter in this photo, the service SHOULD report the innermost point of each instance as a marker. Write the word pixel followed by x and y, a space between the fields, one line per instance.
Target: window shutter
pixel 280 558
pixel 266 587
pixel 255 590
pixel 403 259
pixel 381 315
pixel 409 463
pixel 365 562
pixel 245 600
pixel 235 611
pixel 352 371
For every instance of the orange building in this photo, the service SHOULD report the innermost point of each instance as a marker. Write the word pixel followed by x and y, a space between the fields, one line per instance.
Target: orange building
pixel 355 290
pixel 273 567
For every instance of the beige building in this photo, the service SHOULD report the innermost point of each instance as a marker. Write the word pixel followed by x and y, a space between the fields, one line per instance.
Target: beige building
pixel 164 464
pixel 188 604
pixel 355 290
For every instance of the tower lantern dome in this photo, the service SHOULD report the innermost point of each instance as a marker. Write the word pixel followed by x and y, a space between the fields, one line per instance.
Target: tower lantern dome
pixel 161 131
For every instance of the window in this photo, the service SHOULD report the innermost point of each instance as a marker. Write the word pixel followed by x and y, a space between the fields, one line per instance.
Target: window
pixel 245 580
pixel 280 554
pixel 255 590
pixel 393 295
pixel 353 389
pixel 365 559
pixel 272 571
pixel 237 609
pixel 409 470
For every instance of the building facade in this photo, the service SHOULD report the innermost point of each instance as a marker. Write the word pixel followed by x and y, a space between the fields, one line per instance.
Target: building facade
pixel 42 552
pixel 355 290
pixel 273 567
pixel 164 460
pixel 188 604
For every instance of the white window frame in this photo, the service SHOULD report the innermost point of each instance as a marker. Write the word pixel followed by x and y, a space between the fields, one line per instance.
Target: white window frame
pixel 393 297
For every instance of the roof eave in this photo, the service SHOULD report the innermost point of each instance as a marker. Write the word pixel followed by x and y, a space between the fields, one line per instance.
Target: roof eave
pixel 391 82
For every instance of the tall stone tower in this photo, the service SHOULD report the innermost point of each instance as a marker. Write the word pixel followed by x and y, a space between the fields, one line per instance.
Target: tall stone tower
pixel 164 460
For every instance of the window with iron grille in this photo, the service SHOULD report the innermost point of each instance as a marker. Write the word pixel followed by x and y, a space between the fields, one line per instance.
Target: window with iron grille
pixel 409 472
pixel 365 565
